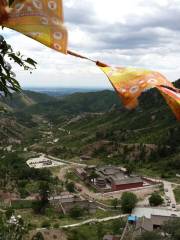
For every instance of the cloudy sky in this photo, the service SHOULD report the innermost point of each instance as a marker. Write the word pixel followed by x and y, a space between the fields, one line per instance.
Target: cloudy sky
pixel 137 33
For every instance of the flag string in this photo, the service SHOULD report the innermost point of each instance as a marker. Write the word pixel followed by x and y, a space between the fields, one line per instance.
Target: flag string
pixel 98 63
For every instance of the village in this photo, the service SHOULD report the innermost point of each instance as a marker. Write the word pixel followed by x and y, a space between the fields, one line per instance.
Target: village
pixel 94 188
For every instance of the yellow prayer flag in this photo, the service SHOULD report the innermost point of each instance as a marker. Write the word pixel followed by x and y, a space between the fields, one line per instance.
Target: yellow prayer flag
pixel 41 20
pixel 172 97
pixel 129 83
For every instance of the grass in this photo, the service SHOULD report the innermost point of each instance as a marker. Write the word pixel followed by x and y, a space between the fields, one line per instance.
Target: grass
pixel 53 217
pixel 22 204
pixel 177 194
pixel 96 231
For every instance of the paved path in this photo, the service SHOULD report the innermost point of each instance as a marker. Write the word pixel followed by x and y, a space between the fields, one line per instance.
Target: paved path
pixel 93 220
pixel 169 192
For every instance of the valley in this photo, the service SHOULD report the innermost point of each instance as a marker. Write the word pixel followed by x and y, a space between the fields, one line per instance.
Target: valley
pixel 45 139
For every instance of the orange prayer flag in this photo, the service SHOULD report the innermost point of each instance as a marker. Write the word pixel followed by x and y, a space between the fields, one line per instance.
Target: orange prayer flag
pixel 41 20
pixel 129 83
pixel 172 97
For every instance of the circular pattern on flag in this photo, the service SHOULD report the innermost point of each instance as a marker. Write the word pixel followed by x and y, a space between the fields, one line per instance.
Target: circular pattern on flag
pixel 57 46
pixel 37 4
pixel 56 21
pixel 52 5
pixel 134 89
pixel 141 82
pixel 34 34
pixel 57 35
pixel 44 20
pixel 152 81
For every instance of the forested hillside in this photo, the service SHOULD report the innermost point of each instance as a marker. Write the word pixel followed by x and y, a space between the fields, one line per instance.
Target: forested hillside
pixel 95 124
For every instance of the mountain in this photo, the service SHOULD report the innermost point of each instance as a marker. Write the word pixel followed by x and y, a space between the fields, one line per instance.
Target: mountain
pixel 19 101
pixel 96 124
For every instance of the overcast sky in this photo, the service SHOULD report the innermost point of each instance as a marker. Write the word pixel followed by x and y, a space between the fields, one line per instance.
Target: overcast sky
pixel 139 33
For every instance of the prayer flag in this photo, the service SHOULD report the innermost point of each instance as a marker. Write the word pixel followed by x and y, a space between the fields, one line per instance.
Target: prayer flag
pixel 41 20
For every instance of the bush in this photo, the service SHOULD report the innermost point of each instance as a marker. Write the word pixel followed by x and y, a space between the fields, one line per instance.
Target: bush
pixel 128 202
pixel 70 187
pixel 46 224
pixel 155 199
pixel 114 203
pixel 38 236
pixel 76 212
pixel 149 236
pixel 56 225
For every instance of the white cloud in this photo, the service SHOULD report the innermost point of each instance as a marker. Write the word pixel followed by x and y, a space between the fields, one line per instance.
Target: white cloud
pixel 126 33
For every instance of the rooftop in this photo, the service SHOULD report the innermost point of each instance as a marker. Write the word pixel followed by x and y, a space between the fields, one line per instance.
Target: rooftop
pixel 126 180
pixel 109 170
pixel 148 212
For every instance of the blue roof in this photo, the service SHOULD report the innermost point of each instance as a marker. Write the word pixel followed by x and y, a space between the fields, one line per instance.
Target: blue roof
pixel 132 218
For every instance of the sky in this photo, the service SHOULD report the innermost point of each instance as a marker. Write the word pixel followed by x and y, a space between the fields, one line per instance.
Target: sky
pixel 136 33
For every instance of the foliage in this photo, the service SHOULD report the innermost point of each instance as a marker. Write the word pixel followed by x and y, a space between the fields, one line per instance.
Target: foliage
pixel 38 236
pixel 150 236
pixel 128 202
pixel 12 228
pixel 96 231
pixel 93 175
pixel 172 227
pixel 130 167
pixel 8 83
pixel 46 224
pixel 70 187
pixel 177 194
pixel 76 212
pixel 22 204
pixel 114 203
pixel 155 199
pixel 16 174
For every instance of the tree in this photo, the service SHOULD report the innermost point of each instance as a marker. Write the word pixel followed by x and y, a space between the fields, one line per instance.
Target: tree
pixel 130 167
pixel 70 187
pixel 44 191
pixel 100 231
pixel 117 226
pixel 150 236
pixel 9 212
pixel 38 236
pixel 93 176
pixel 76 212
pixel 12 228
pixel 8 83
pixel 155 199
pixel 128 202
pixel 172 228
pixel 114 202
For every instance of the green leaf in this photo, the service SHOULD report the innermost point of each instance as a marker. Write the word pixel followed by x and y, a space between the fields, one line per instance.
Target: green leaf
pixel 31 62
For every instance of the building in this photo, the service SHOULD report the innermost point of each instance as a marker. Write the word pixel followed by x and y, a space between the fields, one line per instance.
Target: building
pixel 100 182
pixel 118 179
pixel 81 173
pixel 125 183
pixel 150 219
pixel 109 178
pixel 66 201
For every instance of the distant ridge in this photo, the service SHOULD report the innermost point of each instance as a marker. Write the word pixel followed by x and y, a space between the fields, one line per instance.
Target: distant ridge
pixel 58 91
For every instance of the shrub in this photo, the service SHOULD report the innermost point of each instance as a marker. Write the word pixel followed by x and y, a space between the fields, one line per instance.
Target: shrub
pixel 155 199
pixel 128 202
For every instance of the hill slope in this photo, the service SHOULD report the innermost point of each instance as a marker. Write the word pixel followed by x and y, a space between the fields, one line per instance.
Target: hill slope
pixel 96 124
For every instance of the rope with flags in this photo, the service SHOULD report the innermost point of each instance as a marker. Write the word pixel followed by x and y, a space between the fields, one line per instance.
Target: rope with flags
pixel 43 21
